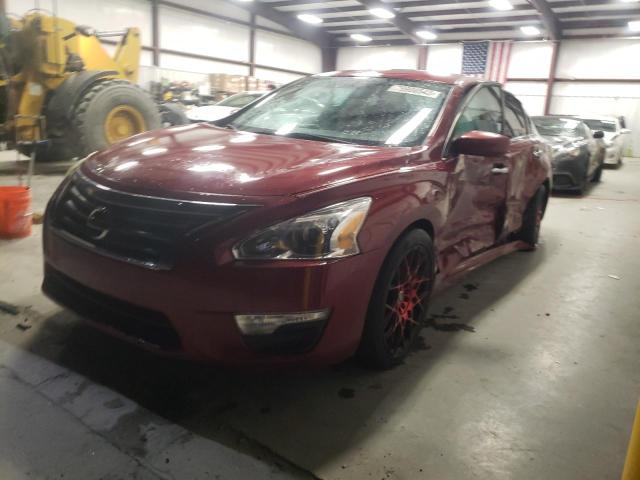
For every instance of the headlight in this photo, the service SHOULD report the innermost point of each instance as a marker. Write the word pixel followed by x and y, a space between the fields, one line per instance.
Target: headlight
pixel 573 152
pixel 330 232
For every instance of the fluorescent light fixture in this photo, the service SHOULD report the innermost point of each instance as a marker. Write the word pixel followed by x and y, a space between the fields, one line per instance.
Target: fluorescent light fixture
pixel 501 4
pixel 381 12
pixel 634 26
pixel 308 18
pixel 530 30
pixel 359 37
pixel 426 34
pixel 629 1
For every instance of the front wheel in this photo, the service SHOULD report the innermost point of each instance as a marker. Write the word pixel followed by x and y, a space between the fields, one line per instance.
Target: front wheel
pixel 532 219
pixel 398 305
pixel 597 176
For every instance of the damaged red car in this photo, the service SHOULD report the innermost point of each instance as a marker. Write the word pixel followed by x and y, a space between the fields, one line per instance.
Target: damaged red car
pixel 310 226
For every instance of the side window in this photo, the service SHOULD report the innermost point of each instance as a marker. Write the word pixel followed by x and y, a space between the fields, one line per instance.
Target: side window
pixel 514 118
pixel 482 113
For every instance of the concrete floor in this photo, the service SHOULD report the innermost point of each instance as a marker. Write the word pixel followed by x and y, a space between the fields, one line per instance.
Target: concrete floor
pixel 532 373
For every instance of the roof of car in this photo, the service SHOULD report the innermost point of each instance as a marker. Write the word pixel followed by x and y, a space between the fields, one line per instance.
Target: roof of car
pixel 599 117
pixel 421 75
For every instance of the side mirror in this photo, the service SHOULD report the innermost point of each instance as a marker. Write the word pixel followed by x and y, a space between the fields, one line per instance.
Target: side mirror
pixel 598 134
pixel 485 144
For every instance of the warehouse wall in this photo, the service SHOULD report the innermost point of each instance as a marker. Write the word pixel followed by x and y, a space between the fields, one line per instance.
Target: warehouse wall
pixel 186 33
pixel 359 58
pixel 579 62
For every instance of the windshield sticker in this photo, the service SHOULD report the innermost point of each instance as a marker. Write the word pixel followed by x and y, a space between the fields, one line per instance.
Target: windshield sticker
pixel 423 92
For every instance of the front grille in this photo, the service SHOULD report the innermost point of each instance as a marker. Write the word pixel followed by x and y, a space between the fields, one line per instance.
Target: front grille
pixel 562 180
pixel 136 322
pixel 135 228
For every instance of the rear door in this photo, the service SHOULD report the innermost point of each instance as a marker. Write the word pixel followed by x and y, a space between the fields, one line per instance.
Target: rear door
pixel 524 147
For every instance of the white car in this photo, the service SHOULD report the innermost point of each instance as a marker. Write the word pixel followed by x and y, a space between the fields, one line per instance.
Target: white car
pixel 226 107
pixel 614 136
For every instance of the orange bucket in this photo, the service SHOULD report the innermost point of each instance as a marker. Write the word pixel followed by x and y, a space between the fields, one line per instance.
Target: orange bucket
pixel 15 212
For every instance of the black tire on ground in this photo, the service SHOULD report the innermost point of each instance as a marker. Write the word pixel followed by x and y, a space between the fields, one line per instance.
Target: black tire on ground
pixel 86 132
pixel 619 163
pixel 597 176
pixel 532 218
pixel 398 305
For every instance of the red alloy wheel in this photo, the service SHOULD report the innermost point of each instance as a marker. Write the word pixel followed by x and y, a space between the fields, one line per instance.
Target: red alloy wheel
pixel 406 301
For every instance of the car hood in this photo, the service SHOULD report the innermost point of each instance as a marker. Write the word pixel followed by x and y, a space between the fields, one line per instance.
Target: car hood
pixel 209 113
pixel 559 140
pixel 203 159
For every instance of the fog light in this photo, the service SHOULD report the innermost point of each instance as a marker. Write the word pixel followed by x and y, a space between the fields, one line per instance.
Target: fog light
pixel 266 324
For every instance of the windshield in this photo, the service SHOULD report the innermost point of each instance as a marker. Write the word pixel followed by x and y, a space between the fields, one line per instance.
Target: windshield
pixel 557 127
pixel 239 100
pixel 362 110
pixel 604 125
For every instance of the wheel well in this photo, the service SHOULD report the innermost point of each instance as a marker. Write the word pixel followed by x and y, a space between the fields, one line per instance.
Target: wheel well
pixel 422 224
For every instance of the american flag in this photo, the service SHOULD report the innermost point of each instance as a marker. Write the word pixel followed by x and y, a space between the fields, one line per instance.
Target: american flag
pixel 489 60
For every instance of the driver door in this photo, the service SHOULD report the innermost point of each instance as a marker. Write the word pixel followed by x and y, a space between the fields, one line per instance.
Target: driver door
pixel 477 184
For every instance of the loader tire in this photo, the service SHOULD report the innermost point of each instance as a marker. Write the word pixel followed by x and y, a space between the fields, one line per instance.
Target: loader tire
pixel 109 111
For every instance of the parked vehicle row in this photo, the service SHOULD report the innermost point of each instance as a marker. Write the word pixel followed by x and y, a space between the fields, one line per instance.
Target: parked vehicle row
pixel 304 228
pixel 582 146
pixel 578 153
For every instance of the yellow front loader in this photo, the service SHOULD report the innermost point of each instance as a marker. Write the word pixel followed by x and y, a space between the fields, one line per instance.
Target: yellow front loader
pixel 58 84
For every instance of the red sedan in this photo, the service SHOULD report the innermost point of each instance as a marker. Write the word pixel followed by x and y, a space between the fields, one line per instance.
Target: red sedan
pixel 307 227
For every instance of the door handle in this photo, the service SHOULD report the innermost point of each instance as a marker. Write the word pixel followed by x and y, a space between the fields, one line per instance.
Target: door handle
pixel 499 170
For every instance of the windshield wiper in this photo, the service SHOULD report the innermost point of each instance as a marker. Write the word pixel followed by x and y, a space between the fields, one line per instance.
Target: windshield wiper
pixel 313 136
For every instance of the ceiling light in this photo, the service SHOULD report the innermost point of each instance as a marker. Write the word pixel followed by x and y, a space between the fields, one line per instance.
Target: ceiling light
pixel 634 26
pixel 501 4
pixel 530 30
pixel 381 12
pixel 628 1
pixel 308 18
pixel 426 34
pixel 359 37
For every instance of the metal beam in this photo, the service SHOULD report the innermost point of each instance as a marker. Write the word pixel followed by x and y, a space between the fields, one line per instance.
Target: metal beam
pixel 309 33
pixel 155 34
pixel 552 76
pixel 549 18
pixel 401 22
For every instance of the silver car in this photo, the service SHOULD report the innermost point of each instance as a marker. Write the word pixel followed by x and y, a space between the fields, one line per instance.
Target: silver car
pixel 614 136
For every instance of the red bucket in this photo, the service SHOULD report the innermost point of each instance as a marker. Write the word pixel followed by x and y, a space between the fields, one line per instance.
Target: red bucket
pixel 15 212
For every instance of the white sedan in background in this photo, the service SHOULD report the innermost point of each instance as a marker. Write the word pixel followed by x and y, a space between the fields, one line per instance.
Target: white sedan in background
pixel 614 136
pixel 226 107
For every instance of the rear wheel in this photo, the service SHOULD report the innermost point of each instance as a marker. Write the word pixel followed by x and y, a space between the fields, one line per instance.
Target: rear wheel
pixel 110 112
pixel 532 219
pixel 106 113
pixel 398 305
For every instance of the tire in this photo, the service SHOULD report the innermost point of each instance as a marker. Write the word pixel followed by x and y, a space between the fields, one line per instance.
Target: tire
pixel 532 218
pixel 87 133
pixel 597 176
pixel 398 306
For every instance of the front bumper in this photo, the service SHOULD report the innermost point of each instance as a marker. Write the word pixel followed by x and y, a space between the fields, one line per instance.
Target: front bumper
pixel 568 173
pixel 189 310
pixel 612 155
